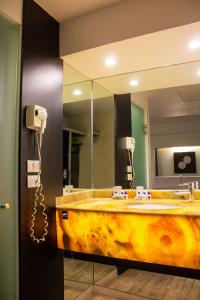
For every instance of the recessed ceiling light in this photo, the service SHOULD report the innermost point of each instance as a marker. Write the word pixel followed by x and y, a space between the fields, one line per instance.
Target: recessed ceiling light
pixel 198 72
pixel 110 61
pixel 77 92
pixel 194 44
pixel 134 82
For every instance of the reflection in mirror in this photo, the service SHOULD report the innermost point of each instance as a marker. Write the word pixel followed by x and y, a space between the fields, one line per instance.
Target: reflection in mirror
pixel 160 108
pixel 103 140
pixel 77 168
pixel 117 117
pixel 174 116
pixel 76 131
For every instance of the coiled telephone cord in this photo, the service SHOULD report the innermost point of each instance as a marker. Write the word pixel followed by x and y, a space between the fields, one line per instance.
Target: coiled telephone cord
pixel 39 199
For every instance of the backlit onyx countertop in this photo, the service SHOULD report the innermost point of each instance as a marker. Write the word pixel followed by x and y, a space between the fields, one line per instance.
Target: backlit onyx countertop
pixel 97 201
pixel 164 230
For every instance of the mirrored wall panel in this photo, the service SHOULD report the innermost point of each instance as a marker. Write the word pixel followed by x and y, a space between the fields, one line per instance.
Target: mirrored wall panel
pixel 137 125
pixel 77 165
pixel 156 137
pixel 104 137
pixel 77 131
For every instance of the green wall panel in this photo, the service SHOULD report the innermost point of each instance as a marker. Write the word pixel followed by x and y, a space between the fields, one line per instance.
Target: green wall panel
pixel 139 160
pixel 9 105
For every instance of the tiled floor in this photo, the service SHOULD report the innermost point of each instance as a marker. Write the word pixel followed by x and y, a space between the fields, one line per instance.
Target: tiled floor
pixel 132 284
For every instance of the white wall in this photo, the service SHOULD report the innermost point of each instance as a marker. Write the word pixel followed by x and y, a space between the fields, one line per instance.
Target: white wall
pixel 11 9
pixel 173 132
pixel 126 19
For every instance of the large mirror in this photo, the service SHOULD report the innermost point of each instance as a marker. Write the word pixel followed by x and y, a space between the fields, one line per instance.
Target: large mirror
pixel 77 130
pixel 103 140
pixel 77 165
pixel 140 128
pixel 160 109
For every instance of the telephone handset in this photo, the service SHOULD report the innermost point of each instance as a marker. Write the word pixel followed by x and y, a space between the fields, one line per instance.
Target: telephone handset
pixel 36 117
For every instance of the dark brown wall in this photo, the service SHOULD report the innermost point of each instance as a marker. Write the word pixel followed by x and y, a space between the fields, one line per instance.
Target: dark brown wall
pixel 122 129
pixel 41 266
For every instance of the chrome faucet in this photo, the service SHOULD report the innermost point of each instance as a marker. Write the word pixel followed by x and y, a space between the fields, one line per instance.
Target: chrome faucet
pixel 192 186
pixel 118 193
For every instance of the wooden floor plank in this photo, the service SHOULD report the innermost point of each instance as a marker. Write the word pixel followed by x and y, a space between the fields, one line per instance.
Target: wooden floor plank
pixel 156 286
pixel 78 270
pixel 135 282
pixel 71 293
pixel 102 297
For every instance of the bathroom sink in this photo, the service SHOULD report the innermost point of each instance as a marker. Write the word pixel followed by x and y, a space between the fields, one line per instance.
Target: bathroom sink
pixel 153 206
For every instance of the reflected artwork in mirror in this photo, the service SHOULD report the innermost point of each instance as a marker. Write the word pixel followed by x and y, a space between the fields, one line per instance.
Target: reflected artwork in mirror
pixel 184 162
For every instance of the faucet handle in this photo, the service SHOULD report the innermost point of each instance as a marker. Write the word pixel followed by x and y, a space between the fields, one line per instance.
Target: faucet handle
pixel 185 184
pixel 192 184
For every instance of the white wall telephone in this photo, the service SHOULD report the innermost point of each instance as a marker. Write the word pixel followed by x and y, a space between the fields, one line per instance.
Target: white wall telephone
pixel 36 117
pixel 130 146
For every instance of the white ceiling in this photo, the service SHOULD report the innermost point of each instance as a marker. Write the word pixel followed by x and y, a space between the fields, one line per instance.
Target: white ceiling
pixel 168 103
pixel 12 10
pixel 190 93
pixel 158 78
pixel 164 103
pixel 149 51
pixel 85 87
pixel 63 10
pixel 71 75
pixel 142 58
pixel 182 76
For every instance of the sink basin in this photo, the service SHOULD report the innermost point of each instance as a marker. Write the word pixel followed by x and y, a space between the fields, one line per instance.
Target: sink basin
pixel 153 206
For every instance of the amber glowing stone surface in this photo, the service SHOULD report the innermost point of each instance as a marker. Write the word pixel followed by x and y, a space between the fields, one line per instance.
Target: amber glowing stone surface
pixel 94 223
pixel 163 239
